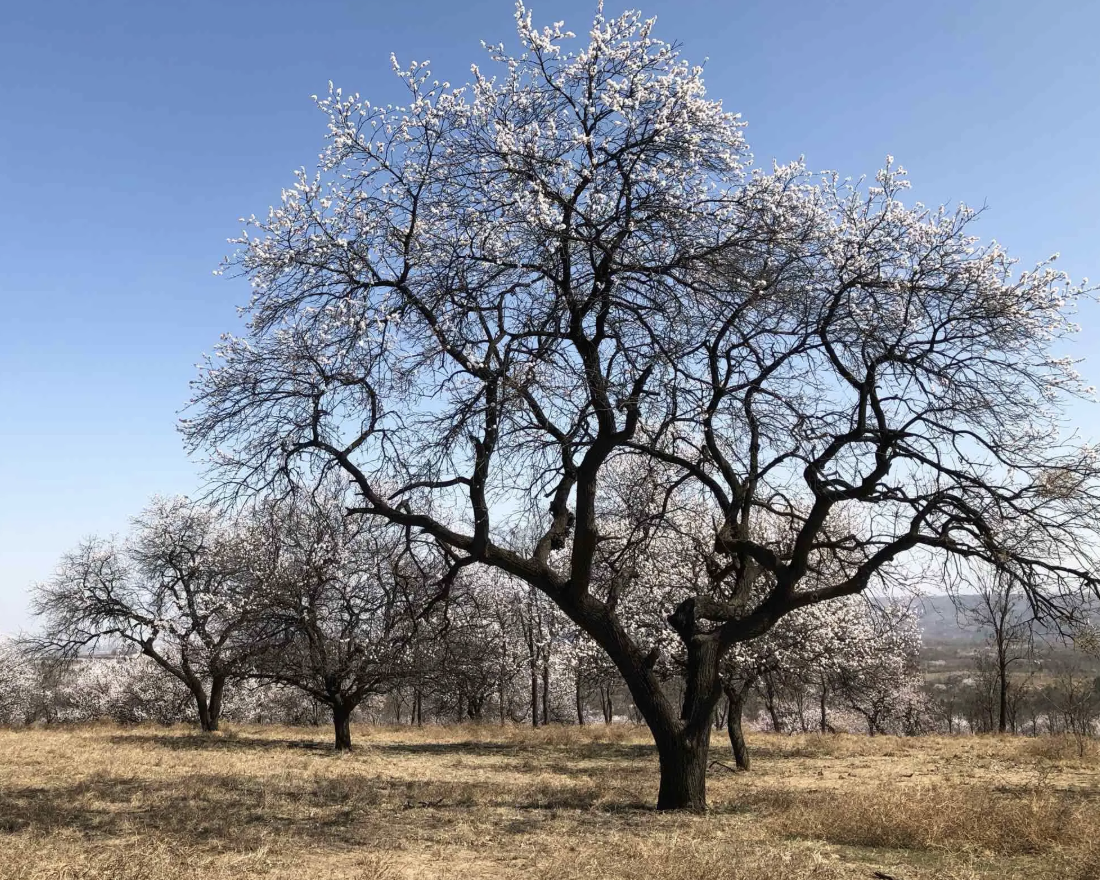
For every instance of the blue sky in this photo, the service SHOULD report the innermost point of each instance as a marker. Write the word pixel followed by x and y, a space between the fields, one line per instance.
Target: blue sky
pixel 133 134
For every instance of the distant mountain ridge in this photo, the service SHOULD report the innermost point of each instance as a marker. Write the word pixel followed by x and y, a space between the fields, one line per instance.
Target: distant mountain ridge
pixel 940 619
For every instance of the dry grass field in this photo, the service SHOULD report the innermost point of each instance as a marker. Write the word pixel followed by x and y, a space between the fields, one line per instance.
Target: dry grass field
pixel 464 802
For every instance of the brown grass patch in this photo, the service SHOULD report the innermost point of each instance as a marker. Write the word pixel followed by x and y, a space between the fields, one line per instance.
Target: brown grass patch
pixel 1063 748
pixel 936 816
pixel 573 804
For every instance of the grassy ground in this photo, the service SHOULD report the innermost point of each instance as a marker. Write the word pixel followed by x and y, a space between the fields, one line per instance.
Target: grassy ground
pixel 265 802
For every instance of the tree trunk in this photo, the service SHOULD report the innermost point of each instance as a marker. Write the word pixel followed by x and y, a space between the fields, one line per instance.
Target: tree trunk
pixel 206 723
pixel 217 688
pixel 534 692
pixel 773 712
pixel 546 691
pixel 683 746
pixel 733 727
pixel 683 762
pixel 1002 708
pixel 824 709
pixel 682 737
pixel 580 704
pixel 341 721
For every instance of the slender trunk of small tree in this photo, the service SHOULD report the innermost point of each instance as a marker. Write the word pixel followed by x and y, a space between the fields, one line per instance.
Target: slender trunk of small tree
pixel 217 689
pixel 773 712
pixel 771 704
pixel 534 692
pixel 734 713
pixel 1002 696
pixel 207 708
pixel 824 708
pixel 580 704
pixel 206 724
pixel 341 721
pixel 546 690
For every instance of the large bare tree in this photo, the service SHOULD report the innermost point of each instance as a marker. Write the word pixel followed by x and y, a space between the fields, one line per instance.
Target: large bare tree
pixel 490 299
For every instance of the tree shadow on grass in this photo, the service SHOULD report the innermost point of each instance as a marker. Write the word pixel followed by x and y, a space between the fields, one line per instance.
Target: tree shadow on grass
pixel 234 743
pixel 568 754
pixel 594 751
pixel 347 809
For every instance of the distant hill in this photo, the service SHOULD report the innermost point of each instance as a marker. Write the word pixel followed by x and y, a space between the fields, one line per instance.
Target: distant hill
pixel 939 619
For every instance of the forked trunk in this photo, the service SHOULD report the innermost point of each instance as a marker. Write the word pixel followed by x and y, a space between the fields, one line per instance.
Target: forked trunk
pixel 606 704
pixel 683 743
pixel 682 737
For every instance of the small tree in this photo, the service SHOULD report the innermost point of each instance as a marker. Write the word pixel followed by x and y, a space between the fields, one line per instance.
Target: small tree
pixel 169 590
pixel 331 604
pixel 465 658
pixel 883 684
pixel 1000 609
pixel 1073 699
pixel 488 299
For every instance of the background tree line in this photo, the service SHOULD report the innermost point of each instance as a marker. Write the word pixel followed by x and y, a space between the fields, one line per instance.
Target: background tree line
pixel 290 611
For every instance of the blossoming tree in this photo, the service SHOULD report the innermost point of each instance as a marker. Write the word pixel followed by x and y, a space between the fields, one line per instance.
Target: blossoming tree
pixel 17 683
pixel 486 296
pixel 330 603
pixel 170 591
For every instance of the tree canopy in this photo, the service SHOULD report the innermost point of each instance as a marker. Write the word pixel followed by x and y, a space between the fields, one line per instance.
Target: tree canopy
pixel 490 304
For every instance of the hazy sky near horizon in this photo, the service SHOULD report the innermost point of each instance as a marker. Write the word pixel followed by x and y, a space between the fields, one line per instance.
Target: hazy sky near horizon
pixel 133 135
